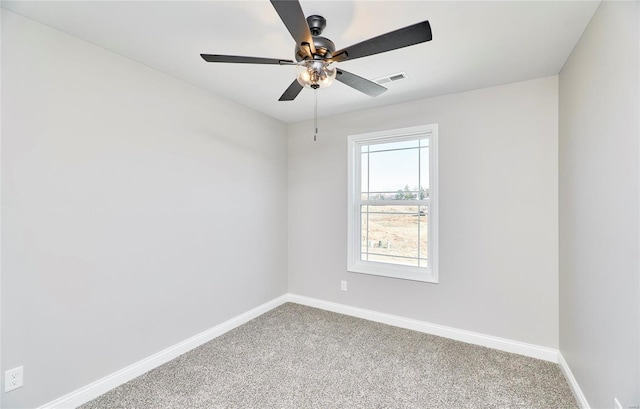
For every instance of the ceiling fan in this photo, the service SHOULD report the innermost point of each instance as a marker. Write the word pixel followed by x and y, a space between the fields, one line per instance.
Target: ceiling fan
pixel 315 54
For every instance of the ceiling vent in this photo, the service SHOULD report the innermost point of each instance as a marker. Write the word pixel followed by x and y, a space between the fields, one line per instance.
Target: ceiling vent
pixel 391 78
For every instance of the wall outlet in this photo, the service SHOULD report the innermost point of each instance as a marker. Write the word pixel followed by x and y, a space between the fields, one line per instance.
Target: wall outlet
pixel 13 379
pixel 343 285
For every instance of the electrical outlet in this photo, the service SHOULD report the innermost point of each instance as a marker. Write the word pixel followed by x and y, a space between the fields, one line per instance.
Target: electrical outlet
pixel 343 285
pixel 616 404
pixel 13 379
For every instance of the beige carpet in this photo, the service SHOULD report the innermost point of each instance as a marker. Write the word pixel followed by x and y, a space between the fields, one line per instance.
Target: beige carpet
pixel 301 357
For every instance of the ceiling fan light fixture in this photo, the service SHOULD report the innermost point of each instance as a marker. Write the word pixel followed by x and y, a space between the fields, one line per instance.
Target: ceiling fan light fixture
pixel 315 74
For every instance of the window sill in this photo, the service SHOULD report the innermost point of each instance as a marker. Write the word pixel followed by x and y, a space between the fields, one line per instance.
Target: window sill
pixel 394 271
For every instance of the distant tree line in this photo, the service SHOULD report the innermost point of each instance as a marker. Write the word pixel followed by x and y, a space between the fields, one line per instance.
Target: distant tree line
pixel 408 194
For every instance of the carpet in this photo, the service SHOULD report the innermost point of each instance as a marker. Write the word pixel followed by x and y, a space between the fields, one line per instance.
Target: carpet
pixel 301 357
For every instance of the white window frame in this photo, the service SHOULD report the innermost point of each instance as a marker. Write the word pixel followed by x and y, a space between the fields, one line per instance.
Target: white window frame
pixel 355 263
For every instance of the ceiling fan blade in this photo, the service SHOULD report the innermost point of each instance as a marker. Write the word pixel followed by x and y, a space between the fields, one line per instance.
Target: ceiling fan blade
pixel 244 60
pixel 403 37
pixel 292 92
pixel 291 14
pixel 361 84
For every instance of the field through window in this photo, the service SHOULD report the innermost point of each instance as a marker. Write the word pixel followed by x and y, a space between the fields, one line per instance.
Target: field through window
pixel 395 234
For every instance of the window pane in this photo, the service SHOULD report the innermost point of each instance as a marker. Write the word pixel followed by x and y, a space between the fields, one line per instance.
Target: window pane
pixel 364 175
pixel 394 260
pixel 424 236
pixel 424 173
pixel 393 145
pixel 394 174
pixel 394 234
pixel 365 233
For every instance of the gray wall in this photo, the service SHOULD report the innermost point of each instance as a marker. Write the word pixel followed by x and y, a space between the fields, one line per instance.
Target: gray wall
pixel 599 207
pixel 124 230
pixel 498 212
pixel 137 211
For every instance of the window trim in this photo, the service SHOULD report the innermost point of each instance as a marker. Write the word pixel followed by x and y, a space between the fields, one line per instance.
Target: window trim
pixel 354 262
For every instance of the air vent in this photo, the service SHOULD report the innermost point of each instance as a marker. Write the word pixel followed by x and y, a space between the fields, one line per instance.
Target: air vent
pixel 391 78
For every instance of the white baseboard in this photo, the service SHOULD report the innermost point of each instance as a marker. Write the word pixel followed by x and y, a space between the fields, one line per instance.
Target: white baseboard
pixel 571 380
pixel 101 386
pixel 502 344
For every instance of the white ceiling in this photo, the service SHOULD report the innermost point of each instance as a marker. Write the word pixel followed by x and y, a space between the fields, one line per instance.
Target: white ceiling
pixel 475 44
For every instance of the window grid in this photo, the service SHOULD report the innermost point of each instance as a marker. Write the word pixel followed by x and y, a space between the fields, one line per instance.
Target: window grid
pixel 422 143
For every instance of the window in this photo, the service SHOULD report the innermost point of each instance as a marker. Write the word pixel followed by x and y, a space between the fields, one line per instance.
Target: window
pixel 393 203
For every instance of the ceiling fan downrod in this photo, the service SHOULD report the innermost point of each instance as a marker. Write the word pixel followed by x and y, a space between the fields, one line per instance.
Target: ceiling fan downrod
pixel 316 24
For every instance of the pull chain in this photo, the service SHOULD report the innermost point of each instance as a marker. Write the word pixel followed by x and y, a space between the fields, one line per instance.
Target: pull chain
pixel 315 114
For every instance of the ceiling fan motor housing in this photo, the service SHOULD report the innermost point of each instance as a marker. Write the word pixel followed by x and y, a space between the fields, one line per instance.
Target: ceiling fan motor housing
pixel 324 46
